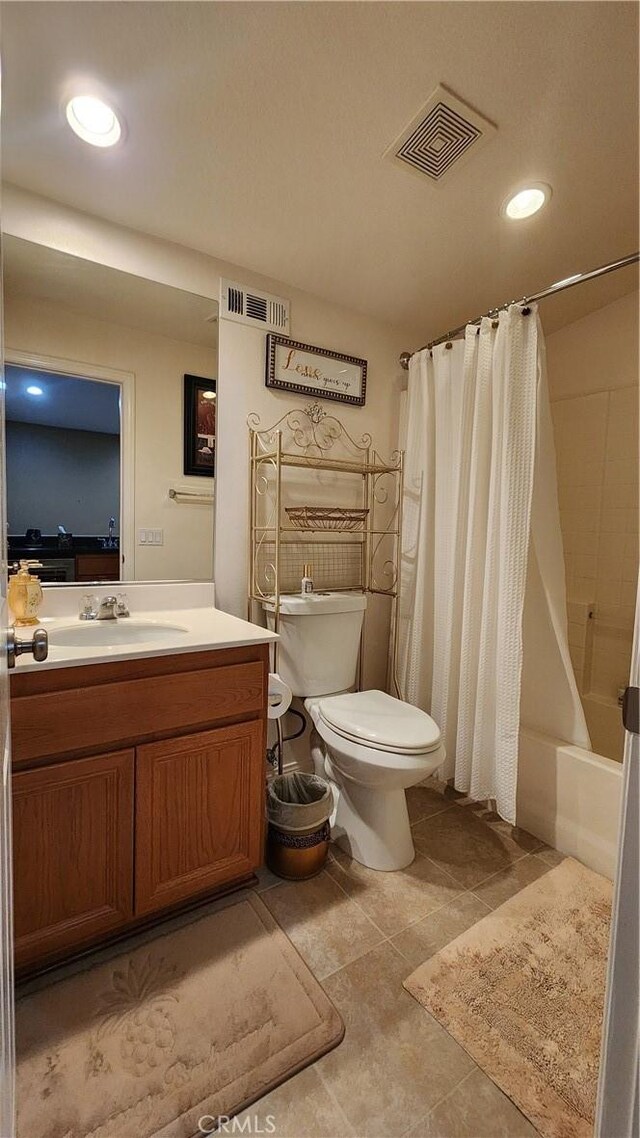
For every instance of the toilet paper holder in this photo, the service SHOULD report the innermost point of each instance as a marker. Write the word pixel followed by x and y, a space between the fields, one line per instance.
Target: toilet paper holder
pixel 279 696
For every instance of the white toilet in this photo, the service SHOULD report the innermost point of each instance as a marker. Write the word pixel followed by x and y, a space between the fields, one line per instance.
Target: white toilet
pixel 370 746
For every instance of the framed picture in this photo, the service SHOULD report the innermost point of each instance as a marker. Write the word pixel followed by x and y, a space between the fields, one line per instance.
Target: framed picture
pixel 199 425
pixel 292 366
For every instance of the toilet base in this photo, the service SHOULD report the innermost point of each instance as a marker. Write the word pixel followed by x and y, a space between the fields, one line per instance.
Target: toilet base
pixel 372 826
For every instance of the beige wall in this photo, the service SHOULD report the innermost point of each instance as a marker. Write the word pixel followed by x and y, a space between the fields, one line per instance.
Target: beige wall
pixel 158 364
pixel 593 381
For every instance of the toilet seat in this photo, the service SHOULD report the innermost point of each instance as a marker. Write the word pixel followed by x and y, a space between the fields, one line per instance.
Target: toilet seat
pixel 356 761
pixel 379 721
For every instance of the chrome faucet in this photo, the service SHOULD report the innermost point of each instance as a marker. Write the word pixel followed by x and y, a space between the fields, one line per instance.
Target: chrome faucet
pixel 110 541
pixel 107 609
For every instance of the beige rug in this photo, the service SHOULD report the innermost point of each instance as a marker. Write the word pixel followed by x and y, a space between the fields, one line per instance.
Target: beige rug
pixel 199 1021
pixel 523 992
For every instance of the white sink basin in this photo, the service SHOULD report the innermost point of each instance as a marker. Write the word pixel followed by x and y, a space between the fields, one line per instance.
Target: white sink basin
pixel 110 633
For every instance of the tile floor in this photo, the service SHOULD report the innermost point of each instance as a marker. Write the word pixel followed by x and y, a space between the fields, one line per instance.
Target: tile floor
pixel 397 1071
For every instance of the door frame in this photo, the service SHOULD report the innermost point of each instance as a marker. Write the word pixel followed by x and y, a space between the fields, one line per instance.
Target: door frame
pixel 618 1105
pixel 126 382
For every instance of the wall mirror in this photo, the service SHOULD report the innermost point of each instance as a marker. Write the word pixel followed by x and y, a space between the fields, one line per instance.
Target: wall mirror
pixel 110 389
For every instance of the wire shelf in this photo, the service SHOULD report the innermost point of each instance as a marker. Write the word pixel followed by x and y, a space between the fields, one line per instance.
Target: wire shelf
pixel 321 462
pixel 335 566
pixel 354 547
pixel 319 518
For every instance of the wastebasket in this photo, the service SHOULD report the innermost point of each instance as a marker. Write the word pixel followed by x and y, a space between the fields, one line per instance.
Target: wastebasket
pixel 298 810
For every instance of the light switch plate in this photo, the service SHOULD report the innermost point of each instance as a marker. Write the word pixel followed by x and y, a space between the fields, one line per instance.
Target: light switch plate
pixel 151 537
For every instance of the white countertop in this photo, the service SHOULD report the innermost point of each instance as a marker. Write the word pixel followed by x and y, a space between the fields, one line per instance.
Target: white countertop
pixel 201 628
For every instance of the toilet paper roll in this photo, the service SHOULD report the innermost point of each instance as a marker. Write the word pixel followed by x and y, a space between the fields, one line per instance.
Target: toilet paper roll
pixel 280 696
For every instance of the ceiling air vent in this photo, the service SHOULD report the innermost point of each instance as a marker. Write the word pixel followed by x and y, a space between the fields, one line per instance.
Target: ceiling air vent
pixel 248 306
pixel 444 132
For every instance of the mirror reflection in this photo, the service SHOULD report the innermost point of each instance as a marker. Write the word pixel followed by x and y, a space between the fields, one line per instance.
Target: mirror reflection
pixel 111 389
pixel 68 518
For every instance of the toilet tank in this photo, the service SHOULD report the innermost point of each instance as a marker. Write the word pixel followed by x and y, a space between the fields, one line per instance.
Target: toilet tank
pixel 319 641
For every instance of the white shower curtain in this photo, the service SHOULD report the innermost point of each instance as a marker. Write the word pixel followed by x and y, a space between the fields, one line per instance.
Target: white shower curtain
pixel 473 420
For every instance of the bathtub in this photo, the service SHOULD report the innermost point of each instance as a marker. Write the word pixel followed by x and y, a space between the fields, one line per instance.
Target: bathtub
pixel 570 798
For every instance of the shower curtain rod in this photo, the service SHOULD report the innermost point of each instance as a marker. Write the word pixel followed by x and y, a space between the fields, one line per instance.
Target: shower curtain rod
pixel 559 286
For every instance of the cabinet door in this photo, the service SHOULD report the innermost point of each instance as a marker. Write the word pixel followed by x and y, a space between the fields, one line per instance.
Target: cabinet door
pixel 199 813
pixel 73 853
pixel 98 566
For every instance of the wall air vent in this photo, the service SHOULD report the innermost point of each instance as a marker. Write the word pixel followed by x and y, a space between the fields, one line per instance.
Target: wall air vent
pixel 248 306
pixel 440 136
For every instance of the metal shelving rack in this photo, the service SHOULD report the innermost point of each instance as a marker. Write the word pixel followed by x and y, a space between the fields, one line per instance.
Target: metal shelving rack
pixel 365 558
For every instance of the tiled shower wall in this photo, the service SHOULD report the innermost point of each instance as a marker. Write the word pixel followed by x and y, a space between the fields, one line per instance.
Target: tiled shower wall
pixel 593 382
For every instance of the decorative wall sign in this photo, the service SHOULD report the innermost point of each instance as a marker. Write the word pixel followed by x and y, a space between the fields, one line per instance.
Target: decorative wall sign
pixel 199 425
pixel 292 366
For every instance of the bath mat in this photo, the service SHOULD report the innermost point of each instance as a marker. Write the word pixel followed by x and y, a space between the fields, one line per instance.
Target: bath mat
pixel 523 992
pixel 193 1024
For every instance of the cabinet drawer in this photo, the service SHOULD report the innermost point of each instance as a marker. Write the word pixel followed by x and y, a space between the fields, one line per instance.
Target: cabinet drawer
pixel 72 853
pixel 97 566
pixel 199 813
pixel 77 719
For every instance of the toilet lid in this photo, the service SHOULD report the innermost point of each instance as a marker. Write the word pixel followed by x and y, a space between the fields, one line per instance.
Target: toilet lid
pixel 379 720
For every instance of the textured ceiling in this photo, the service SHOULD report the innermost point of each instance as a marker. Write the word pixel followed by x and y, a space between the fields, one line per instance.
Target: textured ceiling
pixel 256 132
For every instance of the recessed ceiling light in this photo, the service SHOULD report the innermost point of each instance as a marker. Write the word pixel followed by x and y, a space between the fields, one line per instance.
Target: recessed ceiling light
pixel 93 120
pixel 527 201
pixel 33 390
pixel 208 394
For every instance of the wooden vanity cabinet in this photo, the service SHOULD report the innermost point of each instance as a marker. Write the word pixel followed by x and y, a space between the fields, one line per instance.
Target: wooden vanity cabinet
pixel 98 566
pixel 138 788
pixel 198 803
pixel 72 852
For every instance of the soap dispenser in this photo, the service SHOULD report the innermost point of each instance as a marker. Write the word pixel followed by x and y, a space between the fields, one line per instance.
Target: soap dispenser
pixel 25 594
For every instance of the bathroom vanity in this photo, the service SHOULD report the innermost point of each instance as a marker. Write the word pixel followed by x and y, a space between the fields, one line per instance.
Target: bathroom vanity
pixel 138 747
pixel 138 779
